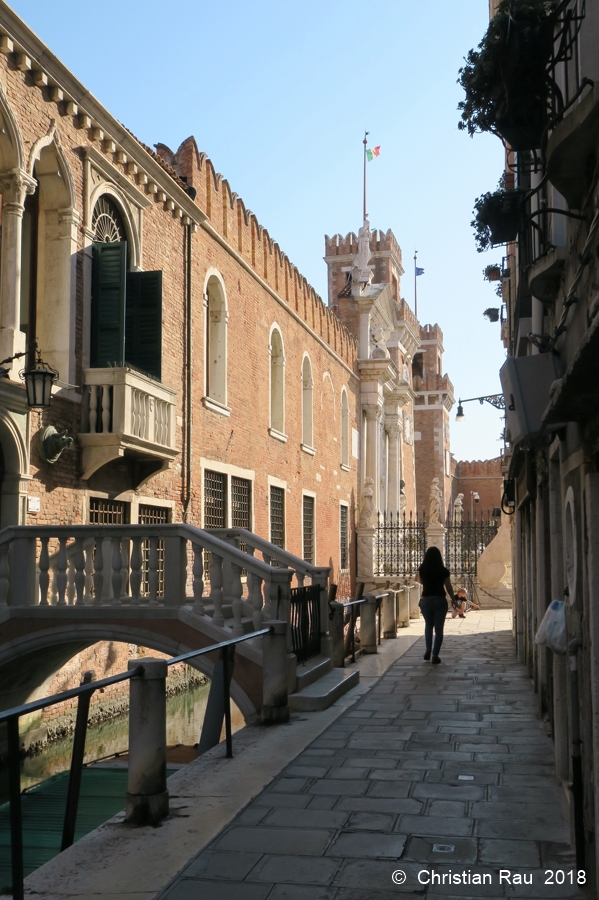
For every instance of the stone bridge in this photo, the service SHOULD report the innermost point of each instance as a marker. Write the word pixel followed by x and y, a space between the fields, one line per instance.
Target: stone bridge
pixel 171 588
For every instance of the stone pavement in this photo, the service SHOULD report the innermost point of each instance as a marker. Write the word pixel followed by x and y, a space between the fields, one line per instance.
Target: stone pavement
pixel 437 773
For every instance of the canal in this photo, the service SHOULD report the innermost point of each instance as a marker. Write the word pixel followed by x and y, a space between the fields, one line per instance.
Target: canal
pixel 185 715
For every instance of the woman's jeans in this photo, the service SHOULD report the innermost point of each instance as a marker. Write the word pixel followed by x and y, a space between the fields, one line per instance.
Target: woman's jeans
pixel 434 610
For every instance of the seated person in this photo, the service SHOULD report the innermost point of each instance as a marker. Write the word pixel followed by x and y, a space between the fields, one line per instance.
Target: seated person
pixel 461 604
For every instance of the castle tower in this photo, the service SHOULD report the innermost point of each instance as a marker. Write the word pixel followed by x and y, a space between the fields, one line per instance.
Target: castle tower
pixel 432 406
pixel 385 262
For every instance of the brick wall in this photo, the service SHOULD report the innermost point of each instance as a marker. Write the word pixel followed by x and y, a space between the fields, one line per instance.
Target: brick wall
pixel 484 477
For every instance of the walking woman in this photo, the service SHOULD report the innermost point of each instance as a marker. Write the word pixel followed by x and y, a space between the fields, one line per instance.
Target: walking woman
pixel 433 603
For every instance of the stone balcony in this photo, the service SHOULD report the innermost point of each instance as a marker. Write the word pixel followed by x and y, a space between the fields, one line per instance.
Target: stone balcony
pixel 127 414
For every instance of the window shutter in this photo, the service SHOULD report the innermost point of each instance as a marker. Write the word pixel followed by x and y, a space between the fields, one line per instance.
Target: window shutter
pixel 109 266
pixel 143 322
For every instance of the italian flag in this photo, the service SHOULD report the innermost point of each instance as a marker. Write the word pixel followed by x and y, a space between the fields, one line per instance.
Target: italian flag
pixel 371 154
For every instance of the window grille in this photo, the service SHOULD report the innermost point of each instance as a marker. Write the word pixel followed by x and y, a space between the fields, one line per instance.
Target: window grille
pixel 108 512
pixel 277 516
pixel 309 529
pixel 215 499
pixel 241 503
pixel 343 539
pixel 152 515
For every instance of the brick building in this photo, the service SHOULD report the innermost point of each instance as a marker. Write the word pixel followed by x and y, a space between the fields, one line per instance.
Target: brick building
pixel 482 477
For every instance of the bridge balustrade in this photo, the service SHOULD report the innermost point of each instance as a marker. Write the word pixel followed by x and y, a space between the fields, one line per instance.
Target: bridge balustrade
pixel 147 566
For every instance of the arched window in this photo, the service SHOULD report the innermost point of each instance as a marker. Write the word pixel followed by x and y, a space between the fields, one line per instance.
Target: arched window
pixel 344 429
pixel 126 323
pixel 277 382
pixel 216 341
pixel 307 404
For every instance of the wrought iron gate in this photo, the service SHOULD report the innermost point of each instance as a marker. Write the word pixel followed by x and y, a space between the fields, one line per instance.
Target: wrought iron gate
pixel 305 622
pixel 400 544
pixel 465 541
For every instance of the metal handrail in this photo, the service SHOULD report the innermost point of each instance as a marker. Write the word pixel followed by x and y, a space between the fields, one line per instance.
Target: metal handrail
pixel 84 693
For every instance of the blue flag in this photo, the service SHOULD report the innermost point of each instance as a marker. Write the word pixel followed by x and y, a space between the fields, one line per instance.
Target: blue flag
pixel 419 271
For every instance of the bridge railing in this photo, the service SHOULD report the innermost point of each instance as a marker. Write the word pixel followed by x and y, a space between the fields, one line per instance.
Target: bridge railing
pixel 109 565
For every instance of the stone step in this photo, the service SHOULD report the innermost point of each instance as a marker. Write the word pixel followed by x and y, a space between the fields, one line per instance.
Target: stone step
pixel 323 693
pixel 312 670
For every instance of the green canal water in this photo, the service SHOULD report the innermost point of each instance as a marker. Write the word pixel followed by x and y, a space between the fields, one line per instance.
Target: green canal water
pixel 44 779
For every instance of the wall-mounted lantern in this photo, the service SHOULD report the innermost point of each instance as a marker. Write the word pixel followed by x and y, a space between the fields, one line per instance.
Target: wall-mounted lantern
pixel 38 379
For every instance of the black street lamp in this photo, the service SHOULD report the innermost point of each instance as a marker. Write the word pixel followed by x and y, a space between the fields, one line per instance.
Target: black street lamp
pixel 496 400
pixel 38 379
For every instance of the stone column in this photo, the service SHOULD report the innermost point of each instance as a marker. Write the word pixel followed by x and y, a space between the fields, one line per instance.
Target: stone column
pixel 147 796
pixel 15 185
pixel 435 536
pixel 368 625
pixel 275 703
pixel 393 430
pixel 372 449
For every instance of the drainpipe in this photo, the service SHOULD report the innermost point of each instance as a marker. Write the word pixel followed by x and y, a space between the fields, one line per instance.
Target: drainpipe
pixel 577 786
pixel 188 404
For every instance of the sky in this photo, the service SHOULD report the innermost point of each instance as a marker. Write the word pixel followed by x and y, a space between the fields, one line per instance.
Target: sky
pixel 279 94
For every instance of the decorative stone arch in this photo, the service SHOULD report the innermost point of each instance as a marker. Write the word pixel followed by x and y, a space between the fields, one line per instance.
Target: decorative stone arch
pixel 307 403
pixel 344 427
pixel 216 339
pixel 14 467
pixel 12 154
pixel 57 244
pixel 276 353
pixel 130 221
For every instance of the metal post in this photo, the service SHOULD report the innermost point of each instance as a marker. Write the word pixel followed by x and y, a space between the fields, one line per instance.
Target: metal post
pixel 16 819
pixel 70 815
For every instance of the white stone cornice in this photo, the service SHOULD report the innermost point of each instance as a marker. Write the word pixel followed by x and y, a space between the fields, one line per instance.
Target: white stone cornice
pixel 111 173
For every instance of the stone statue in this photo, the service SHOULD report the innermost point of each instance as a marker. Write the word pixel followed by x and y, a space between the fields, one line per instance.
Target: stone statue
pixel 379 336
pixel 405 373
pixel 366 504
pixel 458 509
pixel 363 255
pixel 403 500
pixel 435 502
pixel 53 442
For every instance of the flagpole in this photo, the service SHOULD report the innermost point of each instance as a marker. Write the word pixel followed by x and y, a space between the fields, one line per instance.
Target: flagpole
pixel 365 142
pixel 415 285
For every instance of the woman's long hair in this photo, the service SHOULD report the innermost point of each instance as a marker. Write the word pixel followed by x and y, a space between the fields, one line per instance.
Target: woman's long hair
pixel 432 565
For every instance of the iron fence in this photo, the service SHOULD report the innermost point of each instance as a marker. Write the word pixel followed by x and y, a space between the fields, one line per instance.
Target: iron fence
pixel 400 544
pixel 465 540
pixel 305 622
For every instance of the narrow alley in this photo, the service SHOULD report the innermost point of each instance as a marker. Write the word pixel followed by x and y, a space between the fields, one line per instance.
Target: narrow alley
pixel 435 774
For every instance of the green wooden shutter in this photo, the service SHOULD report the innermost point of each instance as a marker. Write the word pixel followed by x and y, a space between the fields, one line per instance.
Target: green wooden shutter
pixel 143 322
pixel 109 266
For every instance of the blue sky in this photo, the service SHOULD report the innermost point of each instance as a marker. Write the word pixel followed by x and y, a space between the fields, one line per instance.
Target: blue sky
pixel 278 94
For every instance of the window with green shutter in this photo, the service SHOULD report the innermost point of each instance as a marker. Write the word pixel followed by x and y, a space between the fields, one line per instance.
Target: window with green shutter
pixel 109 268
pixel 126 312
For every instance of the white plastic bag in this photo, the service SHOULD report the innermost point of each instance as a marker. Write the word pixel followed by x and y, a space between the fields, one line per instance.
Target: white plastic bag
pixel 552 630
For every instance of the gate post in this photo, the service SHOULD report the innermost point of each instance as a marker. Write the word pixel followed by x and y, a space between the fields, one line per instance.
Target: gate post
pixel 403 608
pixel 147 796
pixel 388 614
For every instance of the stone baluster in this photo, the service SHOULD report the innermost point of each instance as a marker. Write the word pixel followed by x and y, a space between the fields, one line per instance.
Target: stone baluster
pixel 61 571
pixel 153 572
pixel 135 577
pixel 237 602
pixel 71 580
pixel 125 548
pixel 44 565
pixel 116 571
pixel 93 408
pixel 216 588
pixel 4 572
pixel 300 578
pixel 266 557
pixel 53 584
pixel 106 408
pixel 88 573
pixel 198 581
pixel 79 562
pixel 255 599
pixel 99 571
